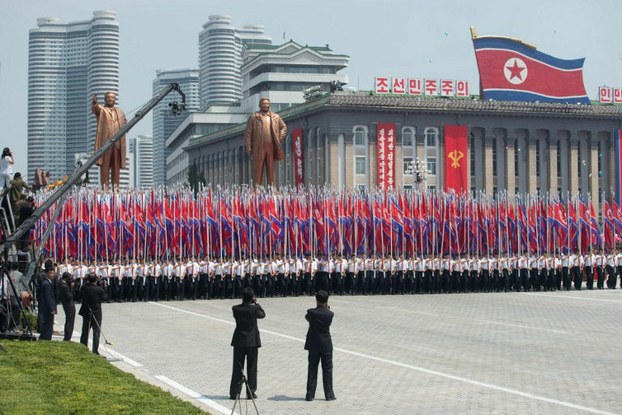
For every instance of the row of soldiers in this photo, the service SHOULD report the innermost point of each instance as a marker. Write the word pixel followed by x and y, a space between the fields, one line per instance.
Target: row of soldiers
pixel 226 278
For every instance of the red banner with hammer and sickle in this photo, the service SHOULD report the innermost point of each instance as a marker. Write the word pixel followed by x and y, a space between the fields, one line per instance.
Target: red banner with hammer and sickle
pixel 456 166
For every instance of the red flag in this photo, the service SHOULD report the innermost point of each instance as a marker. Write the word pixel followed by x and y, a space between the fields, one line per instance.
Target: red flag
pixel 456 171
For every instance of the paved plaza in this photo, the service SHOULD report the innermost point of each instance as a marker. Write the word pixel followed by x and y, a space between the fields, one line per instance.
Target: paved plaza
pixel 494 353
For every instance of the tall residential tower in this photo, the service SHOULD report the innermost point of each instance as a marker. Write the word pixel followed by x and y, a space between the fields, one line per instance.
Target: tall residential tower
pixel 67 64
pixel 220 59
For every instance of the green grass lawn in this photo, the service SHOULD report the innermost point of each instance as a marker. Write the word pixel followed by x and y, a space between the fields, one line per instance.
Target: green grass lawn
pixel 46 377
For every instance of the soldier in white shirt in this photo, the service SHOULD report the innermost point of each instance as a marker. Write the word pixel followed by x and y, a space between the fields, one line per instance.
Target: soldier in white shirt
pixel 422 275
pixel 451 269
pixel 551 266
pixel 558 272
pixel 611 265
pixel 589 270
pixel 566 278
pixel 523 270
pixel 504 265
pixel 475 274
pixel 618 271
pixel 576 270
pixel 238 271
pixel 437 274
pixel 351 275
pixel 368 286
pixel 297 275
pixel 493 274
pixel 116 280
pixel 192 279
pixel 167 278
pixel 155 280
pixel 533 272
pixel 599 261
pixel 179 275
pixel 203 278
pixel 219 280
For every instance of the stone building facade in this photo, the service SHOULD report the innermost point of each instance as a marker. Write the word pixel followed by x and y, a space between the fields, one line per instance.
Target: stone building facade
pixel 513 146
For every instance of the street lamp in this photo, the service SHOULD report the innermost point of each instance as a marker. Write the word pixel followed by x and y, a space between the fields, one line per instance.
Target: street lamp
pixel 419 171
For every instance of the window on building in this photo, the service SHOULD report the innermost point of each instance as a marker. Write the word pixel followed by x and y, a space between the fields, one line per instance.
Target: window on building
pixel 360 165
pixel 360 136
pixel 407 162
pixel 431 149
pixel 408 136
pixel 432 166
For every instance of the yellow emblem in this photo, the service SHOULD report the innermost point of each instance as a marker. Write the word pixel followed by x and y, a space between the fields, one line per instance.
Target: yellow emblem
pixel 455 157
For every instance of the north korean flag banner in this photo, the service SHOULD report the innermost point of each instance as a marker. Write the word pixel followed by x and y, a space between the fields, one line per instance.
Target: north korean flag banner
pixel 386 155
pixel 618 164
pixel 298 156
pixel 456 170
pixel 510 70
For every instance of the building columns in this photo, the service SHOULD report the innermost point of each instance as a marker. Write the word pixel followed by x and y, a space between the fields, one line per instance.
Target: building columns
pixel 510 164
pixel 502 158
pixel 478 159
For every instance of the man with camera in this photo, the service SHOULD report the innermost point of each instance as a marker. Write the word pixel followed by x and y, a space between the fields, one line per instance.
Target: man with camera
pixel 246 343
pixel 320 347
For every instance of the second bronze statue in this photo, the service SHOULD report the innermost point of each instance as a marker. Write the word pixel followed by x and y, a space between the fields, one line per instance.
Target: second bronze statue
pixel 265 132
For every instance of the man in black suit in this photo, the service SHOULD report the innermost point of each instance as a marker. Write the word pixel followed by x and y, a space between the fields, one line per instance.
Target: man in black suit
pixel 65 296
pixel 91 310
pixel 245 343
pixel 47 301
pixel 320 347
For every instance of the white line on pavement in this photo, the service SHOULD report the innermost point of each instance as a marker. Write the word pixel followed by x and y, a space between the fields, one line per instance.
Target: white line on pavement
pixel 195 395
pixel 421 369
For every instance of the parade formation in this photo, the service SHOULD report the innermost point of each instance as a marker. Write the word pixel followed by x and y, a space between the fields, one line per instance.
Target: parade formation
pixel 179 245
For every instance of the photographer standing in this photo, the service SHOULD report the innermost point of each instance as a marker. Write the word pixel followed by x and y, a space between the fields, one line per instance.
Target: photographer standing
pixel 91 310
pixel 65 296
pixel 6 167
pixel 320 347
pixel 246 343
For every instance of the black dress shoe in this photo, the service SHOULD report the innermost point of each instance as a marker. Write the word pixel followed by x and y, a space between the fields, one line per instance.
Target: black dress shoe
pixel 332 398
pixel 308 399
pixel 253 395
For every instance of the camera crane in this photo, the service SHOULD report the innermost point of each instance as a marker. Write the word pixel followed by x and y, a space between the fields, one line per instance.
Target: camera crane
pixel 61 194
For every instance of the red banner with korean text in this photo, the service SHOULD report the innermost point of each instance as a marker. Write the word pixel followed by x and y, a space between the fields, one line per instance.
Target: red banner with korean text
pixel 456 171
pixel 297 151
pixel 386 155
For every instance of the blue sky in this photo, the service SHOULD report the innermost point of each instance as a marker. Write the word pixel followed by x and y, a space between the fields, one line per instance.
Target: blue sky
pixel 409 38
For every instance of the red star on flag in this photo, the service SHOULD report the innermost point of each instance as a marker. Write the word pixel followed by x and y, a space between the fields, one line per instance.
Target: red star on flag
pixel 515 71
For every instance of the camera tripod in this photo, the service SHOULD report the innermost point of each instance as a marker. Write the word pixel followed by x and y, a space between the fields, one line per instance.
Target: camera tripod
pixel 249 392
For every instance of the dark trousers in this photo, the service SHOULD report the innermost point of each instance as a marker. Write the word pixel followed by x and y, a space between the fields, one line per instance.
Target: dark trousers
pixel 590 278
pixel 88 322
pixel 327 374
pixel 70 317
pixel 577 277
pixel 239 355
pixel 47 326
